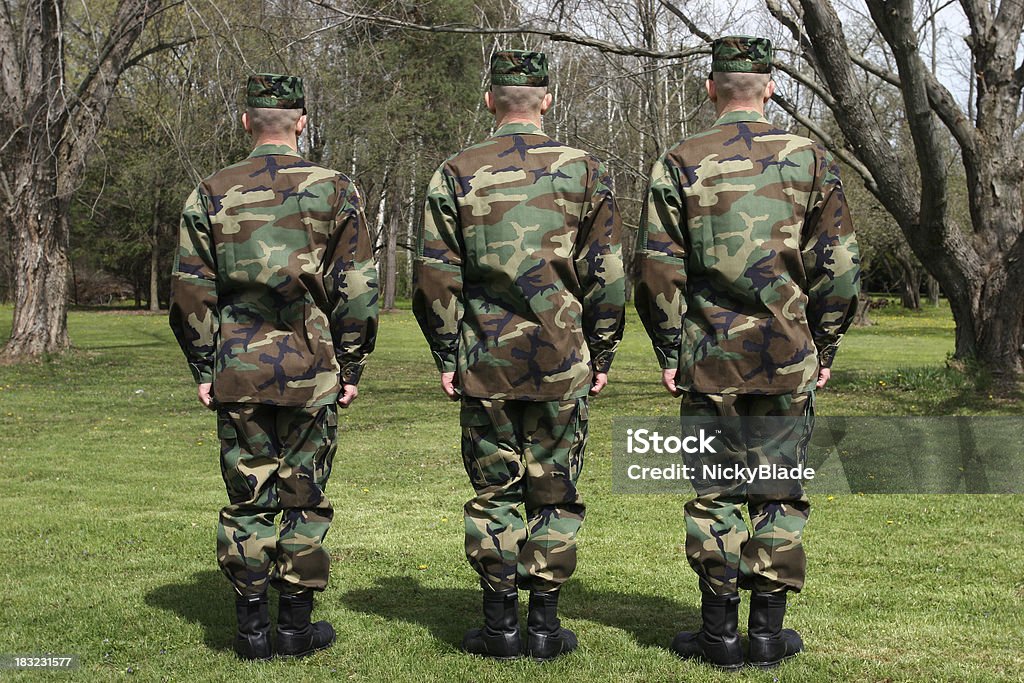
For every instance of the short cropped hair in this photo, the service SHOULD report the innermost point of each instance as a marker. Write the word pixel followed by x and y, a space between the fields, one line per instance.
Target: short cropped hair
pixel 518 99
pixel 265 120
pixel 740 87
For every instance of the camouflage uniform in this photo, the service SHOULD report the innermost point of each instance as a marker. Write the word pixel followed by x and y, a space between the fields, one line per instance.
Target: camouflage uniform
pixel 274 301
pixel 520 290
pixel 747 276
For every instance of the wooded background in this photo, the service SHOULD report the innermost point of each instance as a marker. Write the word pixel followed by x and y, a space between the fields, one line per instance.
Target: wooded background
pixel 113 110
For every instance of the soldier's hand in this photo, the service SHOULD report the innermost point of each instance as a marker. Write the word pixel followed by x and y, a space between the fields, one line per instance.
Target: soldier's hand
pixel 824 375
pixel 206 395
pixel 668 379
pixel 600 379
pixel 348 394
pixel 448 385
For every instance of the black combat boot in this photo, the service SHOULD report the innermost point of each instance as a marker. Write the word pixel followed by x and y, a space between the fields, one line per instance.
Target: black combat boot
pixel 499 638
pixel 717 641
pixel 546 639
pixel 296 636
pixel 253 638
pixel 769 642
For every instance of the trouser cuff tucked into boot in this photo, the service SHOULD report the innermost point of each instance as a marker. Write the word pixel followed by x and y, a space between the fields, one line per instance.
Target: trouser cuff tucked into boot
pixel 296 635
pixel 717 642
pixel 253 638
pixel 546 638
pixel 499 638
pixel 770 644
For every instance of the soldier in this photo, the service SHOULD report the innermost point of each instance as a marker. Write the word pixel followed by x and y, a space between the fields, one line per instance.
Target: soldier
pixel 520 294
pixel 274 303
pixel 746 279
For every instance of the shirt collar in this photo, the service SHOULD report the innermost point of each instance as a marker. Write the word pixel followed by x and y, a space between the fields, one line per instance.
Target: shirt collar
pixel 741 115
pixel 518 129
pixel 264 150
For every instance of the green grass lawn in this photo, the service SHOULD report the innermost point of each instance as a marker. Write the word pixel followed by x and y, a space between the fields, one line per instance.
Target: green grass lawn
pixel 113 485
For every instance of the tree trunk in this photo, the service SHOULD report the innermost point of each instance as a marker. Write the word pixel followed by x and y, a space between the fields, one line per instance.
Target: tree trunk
pixel 932 285
pixel 996 206
pixel 39 228
pixel 154 290
pixel 390 254
pixel 154 259
pixel 910 283
pixel 861 318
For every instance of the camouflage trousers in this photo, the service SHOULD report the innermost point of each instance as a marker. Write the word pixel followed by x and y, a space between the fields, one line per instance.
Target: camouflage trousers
pixel 767 555
pixel 527 453
pixel 275 460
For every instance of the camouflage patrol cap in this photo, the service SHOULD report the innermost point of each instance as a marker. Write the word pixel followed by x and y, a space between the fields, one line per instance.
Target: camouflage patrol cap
pixel 275 91
pixel 741 54
pixel 519 67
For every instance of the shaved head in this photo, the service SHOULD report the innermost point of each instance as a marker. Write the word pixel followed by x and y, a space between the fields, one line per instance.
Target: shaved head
pixel 523 100
pixel 740 88
pixel 273 122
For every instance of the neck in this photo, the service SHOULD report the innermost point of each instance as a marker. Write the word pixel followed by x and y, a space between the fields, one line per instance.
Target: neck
pixel 287 141
pixel 515 117
pixel 724 108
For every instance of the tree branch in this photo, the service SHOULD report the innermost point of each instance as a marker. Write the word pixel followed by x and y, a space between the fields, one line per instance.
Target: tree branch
pixel 854 115
pixel 554 36
pixel 692 27
pixel 160 47
pixel 894 20
pixel 875 70
pixel 841 152
pixel 822 93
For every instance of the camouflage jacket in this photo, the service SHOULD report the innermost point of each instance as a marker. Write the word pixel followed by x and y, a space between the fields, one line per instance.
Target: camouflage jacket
pixel 747 268
pixel 519 278
pixel 274 289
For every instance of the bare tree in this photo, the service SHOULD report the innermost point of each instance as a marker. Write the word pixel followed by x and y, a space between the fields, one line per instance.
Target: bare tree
pixel 47 128
pixel 980 267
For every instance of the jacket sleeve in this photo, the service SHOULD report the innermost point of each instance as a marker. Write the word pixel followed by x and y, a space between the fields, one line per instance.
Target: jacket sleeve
pixel 660 264
pixel 350 281
pixel 194 315
pixel 437 291
pixel 831 262
pixel 600 271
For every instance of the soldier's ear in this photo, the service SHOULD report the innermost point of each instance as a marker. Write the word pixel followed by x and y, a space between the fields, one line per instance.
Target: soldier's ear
pixel 769 90
pixel 709 85
pixel 489 101
pixel 300 125
pixel 246 124
pixel 546 103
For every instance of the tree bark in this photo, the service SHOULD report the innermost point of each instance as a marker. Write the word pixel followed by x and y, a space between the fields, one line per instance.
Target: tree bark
pixel 154 258
pixel 910 281
pixel 394 224
pixel 932 285
pixel 39 228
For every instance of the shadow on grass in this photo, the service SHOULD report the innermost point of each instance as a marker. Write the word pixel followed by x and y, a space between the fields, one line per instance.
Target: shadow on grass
pixel 449 612
pixel 206 599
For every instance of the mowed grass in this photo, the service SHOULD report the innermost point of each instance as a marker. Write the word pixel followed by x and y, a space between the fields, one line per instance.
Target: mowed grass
pixel 112 486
